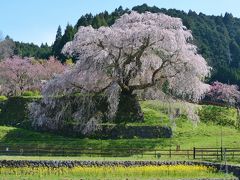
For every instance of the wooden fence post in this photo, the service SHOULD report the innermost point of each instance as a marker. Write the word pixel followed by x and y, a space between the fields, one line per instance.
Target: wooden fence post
pixel 194 153
pixel 221 153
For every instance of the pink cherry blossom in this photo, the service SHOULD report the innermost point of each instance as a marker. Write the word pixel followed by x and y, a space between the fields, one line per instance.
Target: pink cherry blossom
pixel 21 74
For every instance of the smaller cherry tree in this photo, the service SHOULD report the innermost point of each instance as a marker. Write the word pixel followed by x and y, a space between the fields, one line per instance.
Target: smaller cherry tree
pixel 224 93
pixel 21 74
pixel 227 95
pixel 52 67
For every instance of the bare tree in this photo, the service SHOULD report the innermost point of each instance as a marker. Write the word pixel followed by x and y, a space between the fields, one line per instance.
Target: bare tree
pixel 6 48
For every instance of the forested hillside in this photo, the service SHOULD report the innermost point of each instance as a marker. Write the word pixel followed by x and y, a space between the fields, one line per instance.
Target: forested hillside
pixel 31 50
pixel 9 48
pixel 217 37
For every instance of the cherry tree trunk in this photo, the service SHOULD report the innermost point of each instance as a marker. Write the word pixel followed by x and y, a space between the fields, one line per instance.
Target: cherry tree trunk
pixel 129 109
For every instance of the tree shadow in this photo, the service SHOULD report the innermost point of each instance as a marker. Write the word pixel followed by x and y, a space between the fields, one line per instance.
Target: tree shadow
pixel 16 138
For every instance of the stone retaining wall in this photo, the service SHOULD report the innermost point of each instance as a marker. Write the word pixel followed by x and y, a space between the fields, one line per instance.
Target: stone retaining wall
pixel 129 132
pixel 24 163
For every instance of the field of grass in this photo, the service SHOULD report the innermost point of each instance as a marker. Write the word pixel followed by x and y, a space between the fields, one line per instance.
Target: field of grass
pixel 114 172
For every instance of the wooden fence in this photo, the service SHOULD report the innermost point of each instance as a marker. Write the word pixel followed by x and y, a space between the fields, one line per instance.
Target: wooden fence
pixel 216 153
pixel 194 153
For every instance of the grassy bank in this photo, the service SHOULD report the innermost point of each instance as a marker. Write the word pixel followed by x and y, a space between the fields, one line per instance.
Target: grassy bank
pixel 185 134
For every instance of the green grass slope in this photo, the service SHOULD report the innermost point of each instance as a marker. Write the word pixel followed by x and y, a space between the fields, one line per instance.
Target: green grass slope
pixel 186 134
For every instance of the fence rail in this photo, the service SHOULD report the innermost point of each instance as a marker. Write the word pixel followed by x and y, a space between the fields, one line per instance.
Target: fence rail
pixel 194 153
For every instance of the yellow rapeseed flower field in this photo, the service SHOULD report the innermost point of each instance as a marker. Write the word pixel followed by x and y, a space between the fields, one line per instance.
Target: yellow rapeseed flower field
pixel 113 172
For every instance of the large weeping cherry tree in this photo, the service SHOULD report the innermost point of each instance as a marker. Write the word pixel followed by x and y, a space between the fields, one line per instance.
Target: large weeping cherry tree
pixel 138 52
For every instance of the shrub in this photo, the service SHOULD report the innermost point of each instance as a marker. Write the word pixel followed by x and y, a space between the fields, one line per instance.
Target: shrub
pixel 31 93
pixel 218 115
pixel 3 98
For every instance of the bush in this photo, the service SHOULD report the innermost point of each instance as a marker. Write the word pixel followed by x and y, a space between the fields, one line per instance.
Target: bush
pixel 14 112
pixel 218 115
pixel 31 93
pixel 3 98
